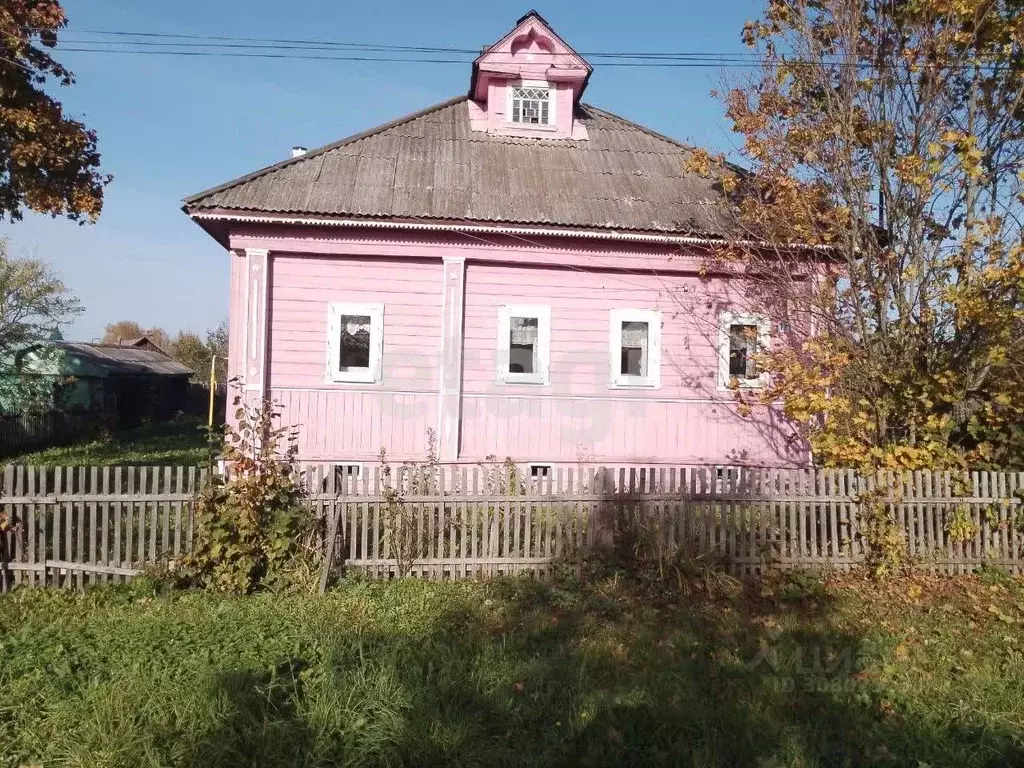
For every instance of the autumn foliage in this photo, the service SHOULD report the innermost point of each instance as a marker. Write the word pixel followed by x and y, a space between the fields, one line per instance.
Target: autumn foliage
pixel 48 161
pixel 882 206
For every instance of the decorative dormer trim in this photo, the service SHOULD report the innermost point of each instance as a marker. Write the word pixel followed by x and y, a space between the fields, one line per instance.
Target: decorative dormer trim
pixel 533 58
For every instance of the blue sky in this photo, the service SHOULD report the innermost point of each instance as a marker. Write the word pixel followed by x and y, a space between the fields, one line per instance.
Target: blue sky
pixel 171 126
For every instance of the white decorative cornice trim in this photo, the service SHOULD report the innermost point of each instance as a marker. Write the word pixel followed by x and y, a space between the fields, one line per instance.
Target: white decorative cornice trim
pixel 581 234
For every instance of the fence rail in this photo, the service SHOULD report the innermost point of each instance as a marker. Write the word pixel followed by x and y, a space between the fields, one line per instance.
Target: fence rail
pixel 78 526
pixel 75 526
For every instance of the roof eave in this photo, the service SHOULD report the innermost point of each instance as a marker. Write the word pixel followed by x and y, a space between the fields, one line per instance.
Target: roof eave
pixel 217 229
pixel 226 216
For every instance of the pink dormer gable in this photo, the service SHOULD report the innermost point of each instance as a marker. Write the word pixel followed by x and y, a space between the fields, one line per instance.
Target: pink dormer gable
pixel 528 83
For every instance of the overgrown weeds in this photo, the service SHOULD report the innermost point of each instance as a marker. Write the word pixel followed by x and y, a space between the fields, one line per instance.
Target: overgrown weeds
pixel 253 530
pixel 515 672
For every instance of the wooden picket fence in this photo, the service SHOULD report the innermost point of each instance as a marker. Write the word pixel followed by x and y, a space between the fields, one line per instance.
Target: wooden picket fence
pixel 79 526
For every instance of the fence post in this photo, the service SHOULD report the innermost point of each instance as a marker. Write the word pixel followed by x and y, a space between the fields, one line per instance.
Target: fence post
pixel 600 532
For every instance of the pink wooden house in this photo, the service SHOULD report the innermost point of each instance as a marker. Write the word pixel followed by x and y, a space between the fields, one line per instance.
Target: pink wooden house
pixel 513 269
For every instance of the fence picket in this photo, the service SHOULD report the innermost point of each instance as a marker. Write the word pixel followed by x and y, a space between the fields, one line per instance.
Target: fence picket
pixel 94 486
pixel 136 521
pixel 41 576
pixel 477 524
pixel 27 512
pixel 193 490
pixel 1003 521
pixel 9 551
pixel 1014 491
pixel 178 487
pixel 119 559
pixel 461 521
pixel 750 485
pixel 154 522
pixel 69 528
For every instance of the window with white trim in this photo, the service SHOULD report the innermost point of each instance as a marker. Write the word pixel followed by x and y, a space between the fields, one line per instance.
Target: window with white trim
pixel 540 470
pixel 524 344
pixel 741 339
pixel 634 347
pixel 355 342
pixel 532 103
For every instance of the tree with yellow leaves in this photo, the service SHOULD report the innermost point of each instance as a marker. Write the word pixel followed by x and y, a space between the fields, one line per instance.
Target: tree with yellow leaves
pixel 883 206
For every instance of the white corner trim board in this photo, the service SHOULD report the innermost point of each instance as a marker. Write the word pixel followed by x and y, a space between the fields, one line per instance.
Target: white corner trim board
pixel 449 395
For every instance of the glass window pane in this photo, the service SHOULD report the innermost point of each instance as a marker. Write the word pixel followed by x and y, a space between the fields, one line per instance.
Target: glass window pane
pixel 634 348
pixel 355 342
pixel 742 350
pixel 530 105
pixel 523 344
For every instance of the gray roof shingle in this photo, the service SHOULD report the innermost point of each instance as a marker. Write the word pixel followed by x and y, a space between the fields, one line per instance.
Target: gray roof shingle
pixel 123 360
pixel 430 165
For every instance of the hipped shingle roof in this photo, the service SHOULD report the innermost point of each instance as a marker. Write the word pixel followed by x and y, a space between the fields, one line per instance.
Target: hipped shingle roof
pixel 431 165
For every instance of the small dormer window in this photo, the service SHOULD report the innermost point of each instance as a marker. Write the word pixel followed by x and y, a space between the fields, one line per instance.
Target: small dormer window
pixel 532 104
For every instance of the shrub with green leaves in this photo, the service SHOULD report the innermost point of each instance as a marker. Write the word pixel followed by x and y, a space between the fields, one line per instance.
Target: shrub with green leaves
pixel 253 530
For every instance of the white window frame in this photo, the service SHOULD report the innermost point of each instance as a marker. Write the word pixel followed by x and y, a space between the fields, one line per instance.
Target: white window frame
pixel 371 375
pixel 619 380
pixel 725 321
pixel 541 471
pixel 541 376
pixel 552 99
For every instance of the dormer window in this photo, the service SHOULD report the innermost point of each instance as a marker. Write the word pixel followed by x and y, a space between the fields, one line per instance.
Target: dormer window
pixel 527 84
pixel 532 104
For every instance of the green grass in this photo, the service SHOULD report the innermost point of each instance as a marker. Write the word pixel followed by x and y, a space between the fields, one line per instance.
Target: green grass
pixel 178 443
pixel 512 673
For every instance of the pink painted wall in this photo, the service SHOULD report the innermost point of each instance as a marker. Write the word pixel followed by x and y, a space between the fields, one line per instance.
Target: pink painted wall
pixel 576 418
pixel 356 420
pixel 688 419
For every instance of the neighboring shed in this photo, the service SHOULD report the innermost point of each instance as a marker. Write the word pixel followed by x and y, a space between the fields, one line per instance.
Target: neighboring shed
pixel 129 383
